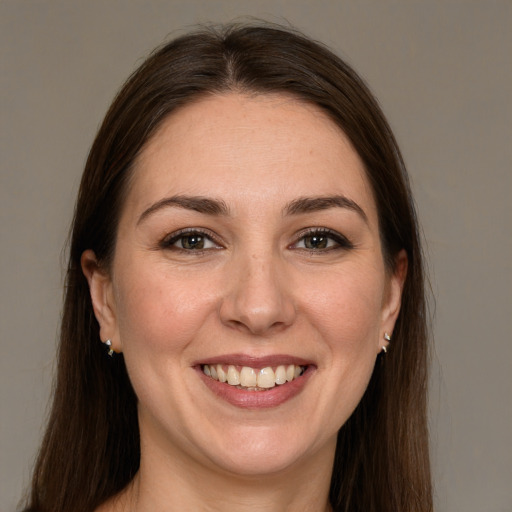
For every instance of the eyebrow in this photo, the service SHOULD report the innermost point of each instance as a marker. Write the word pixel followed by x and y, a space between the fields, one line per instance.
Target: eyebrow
pixel 218 207
pixel 197 203
pixel 314 204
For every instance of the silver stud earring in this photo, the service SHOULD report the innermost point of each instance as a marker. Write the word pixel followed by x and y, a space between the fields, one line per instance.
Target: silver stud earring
pixel 387 337
pixel 109 345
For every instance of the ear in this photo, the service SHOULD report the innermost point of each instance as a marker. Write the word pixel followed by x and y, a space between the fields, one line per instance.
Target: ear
pixel 393 298
pixel 102 296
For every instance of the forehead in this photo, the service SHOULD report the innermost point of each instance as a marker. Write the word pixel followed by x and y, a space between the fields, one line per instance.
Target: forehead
pixel 271 146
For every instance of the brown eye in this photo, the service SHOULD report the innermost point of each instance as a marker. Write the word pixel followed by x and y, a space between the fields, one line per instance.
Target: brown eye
pixel 316 242
pixel 192 241
pixel 189 241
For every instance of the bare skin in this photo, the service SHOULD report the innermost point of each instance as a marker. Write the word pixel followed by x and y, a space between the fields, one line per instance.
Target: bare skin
pixel 249 231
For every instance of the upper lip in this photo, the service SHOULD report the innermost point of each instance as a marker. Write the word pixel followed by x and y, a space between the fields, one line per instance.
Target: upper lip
pixel 255 361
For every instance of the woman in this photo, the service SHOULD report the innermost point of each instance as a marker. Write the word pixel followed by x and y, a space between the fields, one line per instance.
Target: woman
pixel 245 247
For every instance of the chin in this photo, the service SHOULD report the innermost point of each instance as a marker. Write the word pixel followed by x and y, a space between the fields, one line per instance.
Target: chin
pixel 260 451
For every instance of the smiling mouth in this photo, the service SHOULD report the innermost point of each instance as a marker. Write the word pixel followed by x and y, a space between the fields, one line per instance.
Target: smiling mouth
pixel 253 379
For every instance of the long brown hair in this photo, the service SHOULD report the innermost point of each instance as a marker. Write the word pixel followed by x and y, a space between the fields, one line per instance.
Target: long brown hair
pixel 91 448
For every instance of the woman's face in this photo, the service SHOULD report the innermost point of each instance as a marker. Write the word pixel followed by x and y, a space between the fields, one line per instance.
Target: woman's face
pixel 248 250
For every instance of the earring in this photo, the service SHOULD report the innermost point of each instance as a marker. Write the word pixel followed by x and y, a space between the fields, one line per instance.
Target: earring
pixel 109 345
pixel 387 337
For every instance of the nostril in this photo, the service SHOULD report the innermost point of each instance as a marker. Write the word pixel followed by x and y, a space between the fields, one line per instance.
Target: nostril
pixel 258 300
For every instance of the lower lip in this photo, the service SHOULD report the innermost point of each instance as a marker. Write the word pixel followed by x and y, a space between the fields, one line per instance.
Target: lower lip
pixel 272 397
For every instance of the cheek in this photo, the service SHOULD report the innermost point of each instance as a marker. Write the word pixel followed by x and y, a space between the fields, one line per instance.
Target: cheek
pixel 346 310
pixel 158 319
pixel 158 313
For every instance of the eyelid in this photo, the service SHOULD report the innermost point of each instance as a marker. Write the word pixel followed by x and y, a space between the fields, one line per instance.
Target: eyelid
pixel 341 240
pixel 169 239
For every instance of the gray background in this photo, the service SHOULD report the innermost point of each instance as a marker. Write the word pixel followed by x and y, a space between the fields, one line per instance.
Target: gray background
pixel 442 72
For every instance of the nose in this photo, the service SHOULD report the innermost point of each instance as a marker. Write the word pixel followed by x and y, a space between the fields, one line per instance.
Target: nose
pixel 258 300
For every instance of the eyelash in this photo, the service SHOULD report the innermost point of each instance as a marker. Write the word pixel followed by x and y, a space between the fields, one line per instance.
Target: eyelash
pixel 169 241
pixel 340 241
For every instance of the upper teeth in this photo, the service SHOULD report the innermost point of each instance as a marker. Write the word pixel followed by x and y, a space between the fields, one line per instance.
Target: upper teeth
pixel 247 377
